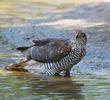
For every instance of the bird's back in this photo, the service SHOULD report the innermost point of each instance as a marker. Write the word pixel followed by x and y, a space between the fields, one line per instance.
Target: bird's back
pixel 51 52
pixel 56 55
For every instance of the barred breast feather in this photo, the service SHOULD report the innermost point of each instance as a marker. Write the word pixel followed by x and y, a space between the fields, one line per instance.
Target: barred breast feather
pixel 67 62
pixel 57 55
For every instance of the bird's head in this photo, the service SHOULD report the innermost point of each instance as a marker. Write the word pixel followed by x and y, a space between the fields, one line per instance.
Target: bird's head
pixel 81 37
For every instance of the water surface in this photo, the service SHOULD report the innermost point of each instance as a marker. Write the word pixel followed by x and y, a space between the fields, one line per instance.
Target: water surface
pixel 24 20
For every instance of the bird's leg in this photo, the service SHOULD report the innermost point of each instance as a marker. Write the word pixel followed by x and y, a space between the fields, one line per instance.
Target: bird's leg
pixel 16 64
pixel 68 72
pixel 56 74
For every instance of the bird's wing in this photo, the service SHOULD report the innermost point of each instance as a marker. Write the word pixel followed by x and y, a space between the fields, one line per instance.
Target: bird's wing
pixel 46 41
pixel 41 42
pixel 53 51
pixel 36 42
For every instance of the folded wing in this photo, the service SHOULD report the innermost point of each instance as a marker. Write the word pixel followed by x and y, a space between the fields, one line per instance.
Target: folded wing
pixel 53 51
pixel 50 50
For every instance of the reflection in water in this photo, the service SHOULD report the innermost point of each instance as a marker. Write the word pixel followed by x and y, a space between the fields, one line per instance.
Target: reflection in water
pixel 52 87
pixel 23 20
pixel 27 86
pixel 20 86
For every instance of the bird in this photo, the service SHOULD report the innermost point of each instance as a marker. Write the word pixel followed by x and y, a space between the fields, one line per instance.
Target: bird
pixel 57 54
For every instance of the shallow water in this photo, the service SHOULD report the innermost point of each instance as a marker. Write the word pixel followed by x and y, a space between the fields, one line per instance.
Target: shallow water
pixel 24 20
pixel 25 86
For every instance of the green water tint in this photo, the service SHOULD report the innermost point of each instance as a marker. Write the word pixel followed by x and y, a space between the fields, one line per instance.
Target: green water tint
pixel 24 20
pixel 27 86
pixel 3 55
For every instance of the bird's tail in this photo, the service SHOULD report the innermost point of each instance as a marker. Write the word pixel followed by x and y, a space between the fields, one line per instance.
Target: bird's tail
pixel 22 48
